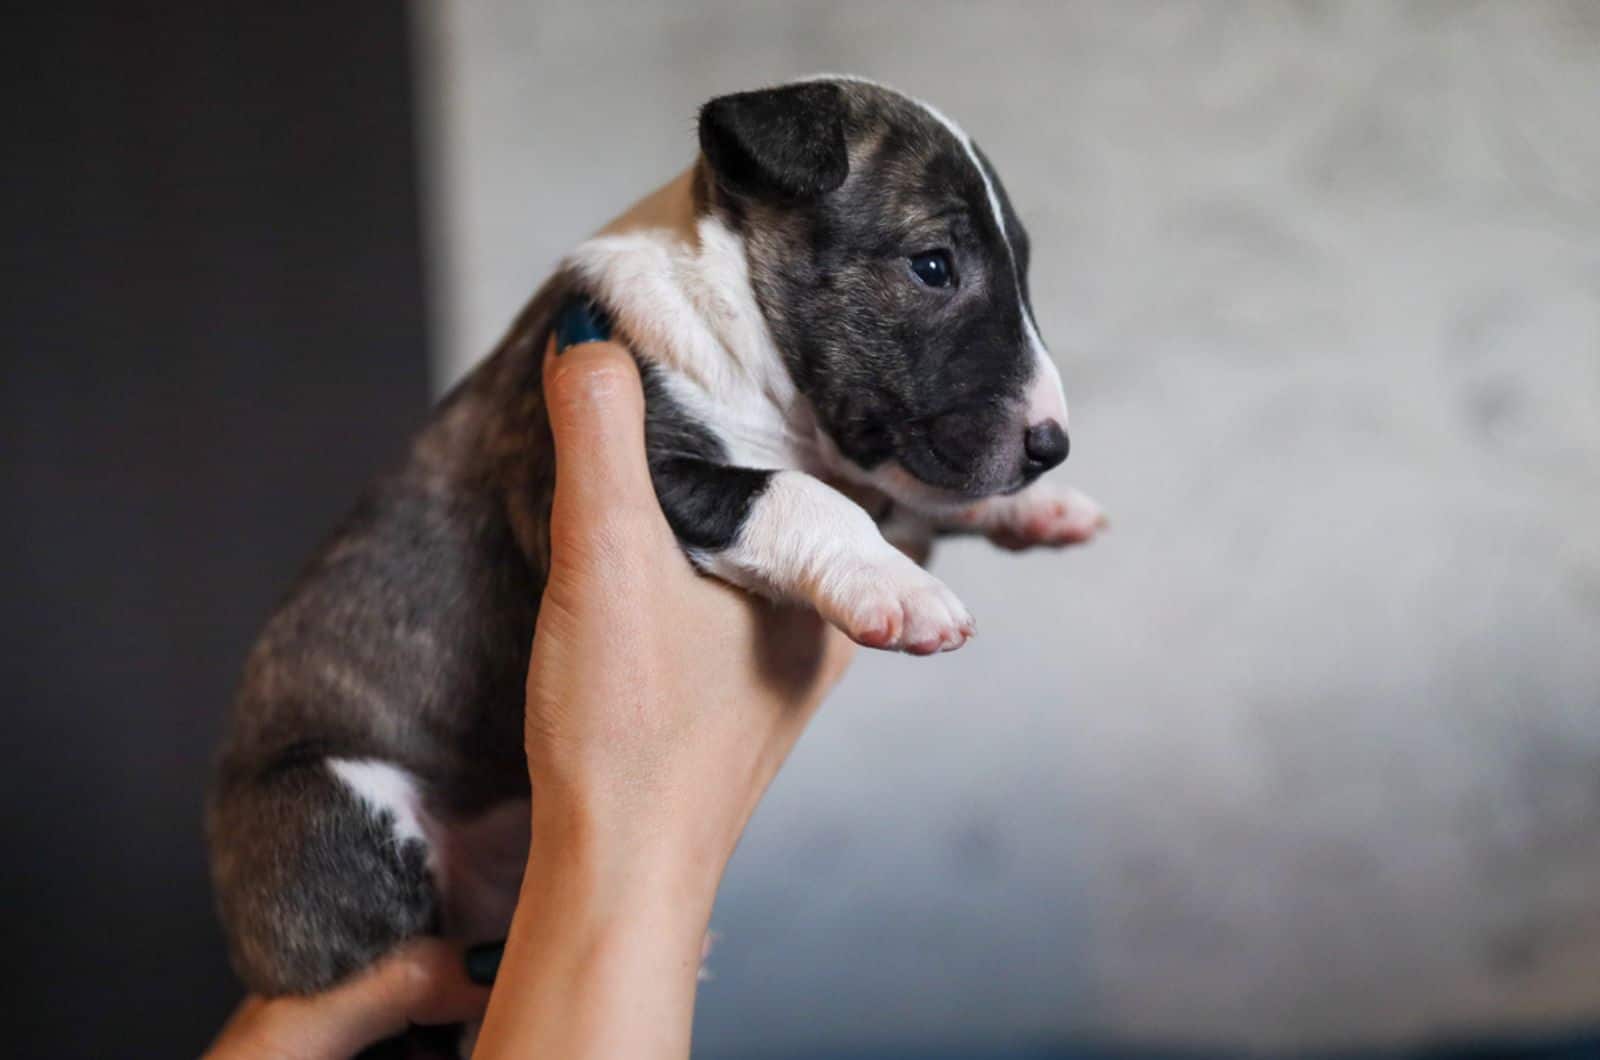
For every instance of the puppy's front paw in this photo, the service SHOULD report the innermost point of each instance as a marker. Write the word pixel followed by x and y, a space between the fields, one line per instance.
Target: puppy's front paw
pixel 1045 514
pixel 896 606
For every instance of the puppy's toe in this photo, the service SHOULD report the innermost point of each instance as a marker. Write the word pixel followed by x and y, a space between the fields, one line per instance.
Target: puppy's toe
pixel 1059 515
pixel 897 608
pixel 935 620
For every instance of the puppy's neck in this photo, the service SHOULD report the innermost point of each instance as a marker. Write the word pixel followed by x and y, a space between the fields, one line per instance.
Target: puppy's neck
pixel 676 279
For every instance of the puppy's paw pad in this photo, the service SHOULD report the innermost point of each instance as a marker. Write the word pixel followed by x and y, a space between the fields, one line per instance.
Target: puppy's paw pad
pixel 899 610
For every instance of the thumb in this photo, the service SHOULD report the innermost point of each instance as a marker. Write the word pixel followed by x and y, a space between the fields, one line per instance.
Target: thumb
pixel 596 404
pixel 424 982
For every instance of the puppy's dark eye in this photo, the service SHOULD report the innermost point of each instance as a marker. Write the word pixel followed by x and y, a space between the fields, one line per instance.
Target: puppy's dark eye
pixel 932 267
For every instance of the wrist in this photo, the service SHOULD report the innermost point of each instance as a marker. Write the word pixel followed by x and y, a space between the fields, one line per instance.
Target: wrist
pixel 625 849
pixel 604 949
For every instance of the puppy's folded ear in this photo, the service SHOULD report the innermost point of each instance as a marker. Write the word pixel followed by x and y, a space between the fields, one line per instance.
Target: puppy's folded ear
pixel 787 141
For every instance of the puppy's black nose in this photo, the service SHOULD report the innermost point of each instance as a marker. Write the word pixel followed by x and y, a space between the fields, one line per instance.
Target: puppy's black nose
pixel 1046 445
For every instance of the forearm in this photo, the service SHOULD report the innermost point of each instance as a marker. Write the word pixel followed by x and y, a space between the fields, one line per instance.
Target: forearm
pixel 604 952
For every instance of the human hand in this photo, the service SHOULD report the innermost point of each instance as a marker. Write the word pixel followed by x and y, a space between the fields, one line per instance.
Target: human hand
pixel 423 983
pixel 660 702
pixel 660 705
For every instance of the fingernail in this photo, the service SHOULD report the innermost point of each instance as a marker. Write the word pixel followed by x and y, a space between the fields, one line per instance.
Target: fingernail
pixel 581 321
pixel 483 961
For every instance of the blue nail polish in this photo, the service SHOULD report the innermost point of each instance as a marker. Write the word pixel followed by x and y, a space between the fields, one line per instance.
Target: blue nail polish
pixel 483 961
pixel 581 321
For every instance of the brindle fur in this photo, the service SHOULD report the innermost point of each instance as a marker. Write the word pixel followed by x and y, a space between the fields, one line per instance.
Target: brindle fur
pixel 406 638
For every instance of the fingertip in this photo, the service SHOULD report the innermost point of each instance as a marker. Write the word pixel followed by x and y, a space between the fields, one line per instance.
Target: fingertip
pixel 594 396
pixel 591 382
pixel 430 981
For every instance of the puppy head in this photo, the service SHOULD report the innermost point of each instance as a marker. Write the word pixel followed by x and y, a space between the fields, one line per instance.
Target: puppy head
pixel 893 274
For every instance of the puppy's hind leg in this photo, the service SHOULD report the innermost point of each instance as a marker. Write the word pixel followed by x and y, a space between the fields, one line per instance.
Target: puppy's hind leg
pixel 320 867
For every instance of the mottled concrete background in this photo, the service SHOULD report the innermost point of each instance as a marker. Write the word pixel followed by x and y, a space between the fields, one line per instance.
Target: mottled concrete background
pixel 1308 749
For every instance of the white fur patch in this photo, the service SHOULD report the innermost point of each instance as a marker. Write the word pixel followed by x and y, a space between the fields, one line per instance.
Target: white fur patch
pixel 798 534
pixel 388 791
pixel 1046 399
pixel 805 541
pixel 689 306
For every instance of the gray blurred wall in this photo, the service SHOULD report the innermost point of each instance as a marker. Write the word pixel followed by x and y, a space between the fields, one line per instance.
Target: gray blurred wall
pixel 1307 750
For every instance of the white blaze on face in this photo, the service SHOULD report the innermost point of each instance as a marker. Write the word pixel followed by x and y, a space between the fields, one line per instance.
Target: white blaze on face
pixel 1045 399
